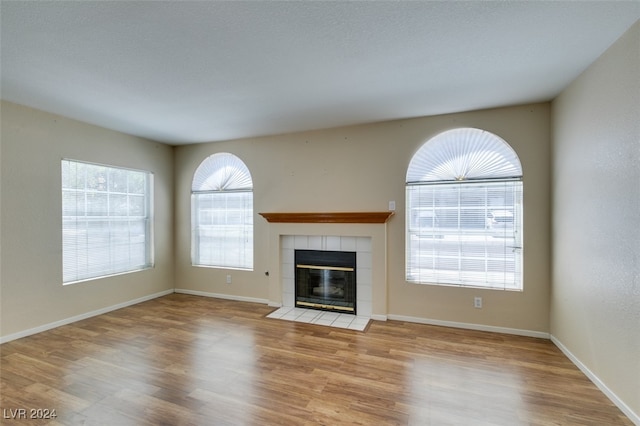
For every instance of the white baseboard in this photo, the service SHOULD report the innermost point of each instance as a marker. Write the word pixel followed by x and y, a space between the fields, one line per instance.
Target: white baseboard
pixel 86 315
pixel 222 296
pixel 377 317
pixel 634 417
pixel 469 326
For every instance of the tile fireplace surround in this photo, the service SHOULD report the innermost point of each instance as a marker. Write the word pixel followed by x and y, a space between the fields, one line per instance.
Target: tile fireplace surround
pixel 362 247
pixel 368 240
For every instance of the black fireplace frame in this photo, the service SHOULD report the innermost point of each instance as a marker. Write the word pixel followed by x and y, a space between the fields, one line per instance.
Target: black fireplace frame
pixel 337 266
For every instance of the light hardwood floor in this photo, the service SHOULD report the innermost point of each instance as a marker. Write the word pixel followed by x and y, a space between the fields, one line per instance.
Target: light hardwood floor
pixel 188 360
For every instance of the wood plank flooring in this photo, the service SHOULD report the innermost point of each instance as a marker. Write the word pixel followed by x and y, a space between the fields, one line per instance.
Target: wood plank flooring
pixel 188 360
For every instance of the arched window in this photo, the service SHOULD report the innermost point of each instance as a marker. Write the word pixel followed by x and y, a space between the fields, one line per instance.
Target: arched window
pixel 222 213
pixel 464 212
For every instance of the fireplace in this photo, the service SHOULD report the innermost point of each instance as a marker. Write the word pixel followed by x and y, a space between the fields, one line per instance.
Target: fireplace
pixel 325 280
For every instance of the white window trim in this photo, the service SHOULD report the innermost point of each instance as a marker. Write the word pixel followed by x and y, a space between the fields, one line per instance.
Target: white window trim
pixel 223 175
pixel 146 218
pixel 462 157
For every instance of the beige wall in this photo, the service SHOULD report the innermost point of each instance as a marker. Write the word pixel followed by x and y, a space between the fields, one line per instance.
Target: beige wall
pixel 362 168
pixel 347 169
pixel 32 145
pixel 595 307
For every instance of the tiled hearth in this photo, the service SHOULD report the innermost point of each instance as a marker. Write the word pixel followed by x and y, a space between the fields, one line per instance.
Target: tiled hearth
pixel 312 316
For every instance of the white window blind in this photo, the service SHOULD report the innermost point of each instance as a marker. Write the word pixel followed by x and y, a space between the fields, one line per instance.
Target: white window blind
pixel 106 220
pixel 222 213
pixel 464 212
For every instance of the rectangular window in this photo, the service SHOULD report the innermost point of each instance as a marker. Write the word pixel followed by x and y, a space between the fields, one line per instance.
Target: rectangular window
pixel 465 234
pixel 106 220
pixel 222 234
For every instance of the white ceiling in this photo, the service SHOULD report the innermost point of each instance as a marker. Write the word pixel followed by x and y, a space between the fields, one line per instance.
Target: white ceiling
pixel 187 72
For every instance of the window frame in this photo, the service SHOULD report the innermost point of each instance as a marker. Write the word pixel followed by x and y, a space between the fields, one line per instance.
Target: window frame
pixel 88 252
pixel 450 162
pixel 222 177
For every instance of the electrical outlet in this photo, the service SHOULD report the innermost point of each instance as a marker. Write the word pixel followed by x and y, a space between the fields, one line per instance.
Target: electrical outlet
pixel 228 279
pixel 477 302
pixel 392 206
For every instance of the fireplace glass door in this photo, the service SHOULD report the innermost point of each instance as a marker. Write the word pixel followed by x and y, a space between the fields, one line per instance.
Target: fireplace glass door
pixel 326 280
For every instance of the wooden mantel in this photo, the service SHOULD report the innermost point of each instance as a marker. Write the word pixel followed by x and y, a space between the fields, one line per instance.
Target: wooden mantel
pixel 329 217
